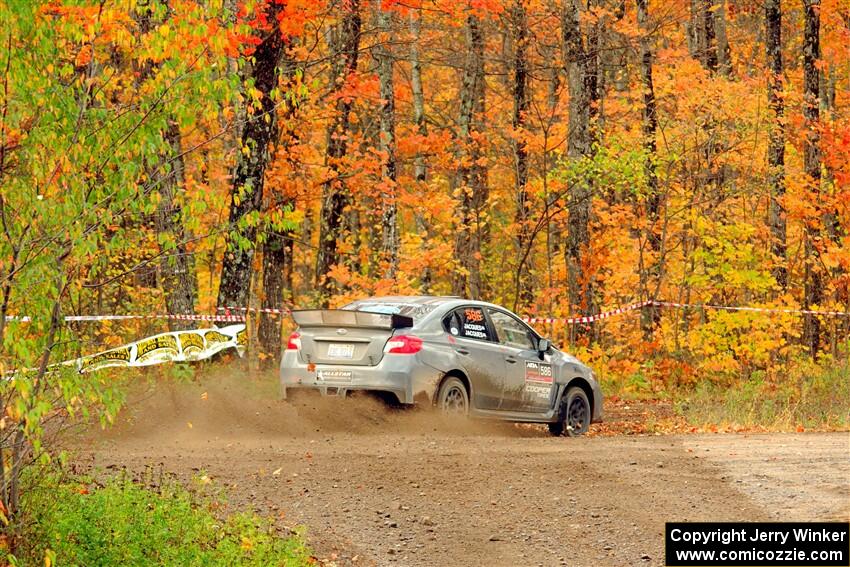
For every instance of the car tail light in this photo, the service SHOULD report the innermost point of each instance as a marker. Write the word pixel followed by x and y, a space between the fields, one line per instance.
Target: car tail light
pixel 403 344
pixel 294 342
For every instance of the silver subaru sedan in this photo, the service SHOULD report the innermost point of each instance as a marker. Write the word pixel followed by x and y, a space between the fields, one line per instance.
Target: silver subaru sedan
pixel 459 355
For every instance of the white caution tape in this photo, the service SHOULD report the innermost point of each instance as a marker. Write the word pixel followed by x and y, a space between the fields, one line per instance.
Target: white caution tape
pixel 75 318
pixel 751 309
pixel 588 318
pixel 229 316
pixel 674 305
pixel 284 311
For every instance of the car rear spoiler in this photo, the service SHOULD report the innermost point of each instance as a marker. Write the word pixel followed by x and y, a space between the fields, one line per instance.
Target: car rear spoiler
pixel 346 318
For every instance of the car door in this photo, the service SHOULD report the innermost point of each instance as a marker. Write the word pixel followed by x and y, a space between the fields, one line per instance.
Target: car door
pixel 529 383
pixel 483 358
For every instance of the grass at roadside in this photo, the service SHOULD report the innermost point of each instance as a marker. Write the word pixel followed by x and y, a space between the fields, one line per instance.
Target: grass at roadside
pixel 812 398
pixel 123 523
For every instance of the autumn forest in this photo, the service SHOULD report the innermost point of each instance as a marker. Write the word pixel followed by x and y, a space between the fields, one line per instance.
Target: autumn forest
pixel 558 157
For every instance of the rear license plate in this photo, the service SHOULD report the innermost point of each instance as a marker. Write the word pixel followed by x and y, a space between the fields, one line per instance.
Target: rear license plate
pixel 333 375
pixel 336 350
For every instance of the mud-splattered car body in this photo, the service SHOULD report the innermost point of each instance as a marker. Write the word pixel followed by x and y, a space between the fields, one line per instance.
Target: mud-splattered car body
pixel 411 346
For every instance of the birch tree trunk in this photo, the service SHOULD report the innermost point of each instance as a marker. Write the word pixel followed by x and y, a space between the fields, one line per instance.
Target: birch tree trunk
pixel 390 238
pixel 420 170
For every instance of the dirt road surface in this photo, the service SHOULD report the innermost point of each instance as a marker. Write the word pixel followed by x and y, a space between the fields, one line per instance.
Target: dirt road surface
pixel 382 487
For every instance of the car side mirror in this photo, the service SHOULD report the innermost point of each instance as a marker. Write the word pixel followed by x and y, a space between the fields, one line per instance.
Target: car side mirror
pixel 543 347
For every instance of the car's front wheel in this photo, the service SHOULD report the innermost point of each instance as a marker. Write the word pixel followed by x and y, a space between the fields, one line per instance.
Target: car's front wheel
pixel 575 414
pixel 453 397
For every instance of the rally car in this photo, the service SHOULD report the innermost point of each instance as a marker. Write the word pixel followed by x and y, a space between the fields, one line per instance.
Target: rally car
pixel 462 356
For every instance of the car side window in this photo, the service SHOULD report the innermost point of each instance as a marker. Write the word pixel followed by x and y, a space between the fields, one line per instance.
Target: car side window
pixel 469 323
pixel 512 332
pixel 451 323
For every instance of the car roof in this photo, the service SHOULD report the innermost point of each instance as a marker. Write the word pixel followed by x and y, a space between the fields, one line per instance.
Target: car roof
pixel 413 299
pixel 435 300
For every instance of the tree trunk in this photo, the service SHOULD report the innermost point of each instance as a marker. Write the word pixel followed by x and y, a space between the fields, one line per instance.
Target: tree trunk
pixel 390 239
pixel 419 168
pixel 831 219
pixel 276 250
pixel 345 45
pixel 724 53
pixel 831 216
pixel 813 278
pixel 519 29
pixel 278 245
pixel 248 178
pixel 776 143
pixel 177 266
pixel 472 174
pixel 702 33
pixel 581 66
pixel 420 171
pixel 649 275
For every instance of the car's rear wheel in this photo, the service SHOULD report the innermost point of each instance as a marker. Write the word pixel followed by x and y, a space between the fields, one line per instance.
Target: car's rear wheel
pixel 575 414
pixel 453 397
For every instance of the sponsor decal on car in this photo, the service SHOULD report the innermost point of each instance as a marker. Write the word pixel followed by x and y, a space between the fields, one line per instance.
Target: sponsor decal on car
pixel 538 372
pixel 541 391
pixel 334 375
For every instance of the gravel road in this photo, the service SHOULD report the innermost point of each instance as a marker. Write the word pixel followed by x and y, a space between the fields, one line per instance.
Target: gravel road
pixel 382 487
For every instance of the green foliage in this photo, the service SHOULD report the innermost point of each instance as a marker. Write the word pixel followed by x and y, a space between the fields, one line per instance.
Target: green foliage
pixel 89 92
pixel 813 397
pixel 614 169
pixel 124 523
pixel 180 372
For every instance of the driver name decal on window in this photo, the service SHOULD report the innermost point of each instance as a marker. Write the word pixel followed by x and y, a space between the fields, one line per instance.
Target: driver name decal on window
pixel 538 372
pixel 473 324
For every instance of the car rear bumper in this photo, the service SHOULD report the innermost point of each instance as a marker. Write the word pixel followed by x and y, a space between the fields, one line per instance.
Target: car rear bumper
pixel 403 375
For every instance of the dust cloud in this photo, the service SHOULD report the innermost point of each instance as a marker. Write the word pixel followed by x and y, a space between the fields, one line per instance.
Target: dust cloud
pixel 226 404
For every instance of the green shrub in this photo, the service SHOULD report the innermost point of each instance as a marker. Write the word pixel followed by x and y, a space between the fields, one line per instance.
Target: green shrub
pixel 126 524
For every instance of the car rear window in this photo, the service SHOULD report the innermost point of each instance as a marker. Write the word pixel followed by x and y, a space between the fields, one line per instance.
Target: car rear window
pixel 412 310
